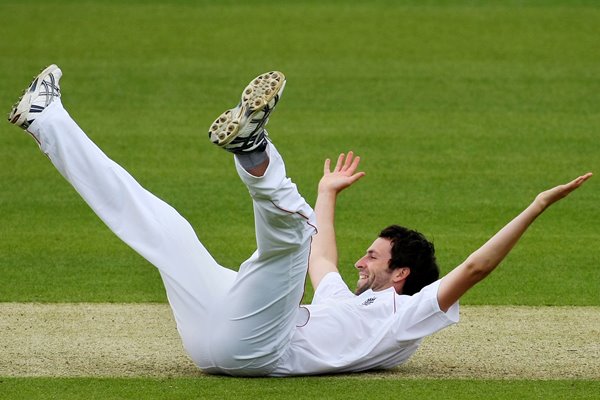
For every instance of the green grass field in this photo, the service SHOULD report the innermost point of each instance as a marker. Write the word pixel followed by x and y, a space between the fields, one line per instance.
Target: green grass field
pixel 295 388
pixel 461 110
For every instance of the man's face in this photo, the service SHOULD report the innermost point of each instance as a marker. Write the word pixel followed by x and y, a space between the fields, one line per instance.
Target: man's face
pixel 373 268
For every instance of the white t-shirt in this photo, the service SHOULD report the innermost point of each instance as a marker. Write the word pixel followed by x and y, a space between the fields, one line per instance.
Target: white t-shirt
pixel 349 333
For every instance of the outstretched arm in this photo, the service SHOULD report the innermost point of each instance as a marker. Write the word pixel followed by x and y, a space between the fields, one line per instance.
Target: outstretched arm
pixel 483 261
pixel 323 254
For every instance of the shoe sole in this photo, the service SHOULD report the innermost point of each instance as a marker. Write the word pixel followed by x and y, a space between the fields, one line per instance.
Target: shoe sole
pixel 18 114
pixel 255 97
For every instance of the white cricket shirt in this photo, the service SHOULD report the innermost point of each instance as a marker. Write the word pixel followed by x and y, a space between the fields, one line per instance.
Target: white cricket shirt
pixel 375 330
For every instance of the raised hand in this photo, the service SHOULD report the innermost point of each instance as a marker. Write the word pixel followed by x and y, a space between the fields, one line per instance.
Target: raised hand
pixel 550 196
pixel 323 252
pixel 343 175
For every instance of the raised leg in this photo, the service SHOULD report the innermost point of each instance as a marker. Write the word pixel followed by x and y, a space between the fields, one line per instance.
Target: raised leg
pixel 252 330
pixel 192 278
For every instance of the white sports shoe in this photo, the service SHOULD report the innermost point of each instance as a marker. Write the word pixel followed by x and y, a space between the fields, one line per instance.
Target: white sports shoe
pixel 242 129
pixel 42 91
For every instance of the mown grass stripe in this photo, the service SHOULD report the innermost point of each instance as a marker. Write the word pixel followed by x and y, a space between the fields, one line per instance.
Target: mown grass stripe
pixel 291 388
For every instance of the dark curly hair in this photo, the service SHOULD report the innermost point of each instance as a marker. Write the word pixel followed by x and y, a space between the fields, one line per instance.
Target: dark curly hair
pixel 411 249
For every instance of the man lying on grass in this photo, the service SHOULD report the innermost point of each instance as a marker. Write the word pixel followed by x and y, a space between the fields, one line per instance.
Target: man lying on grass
pixel 250 323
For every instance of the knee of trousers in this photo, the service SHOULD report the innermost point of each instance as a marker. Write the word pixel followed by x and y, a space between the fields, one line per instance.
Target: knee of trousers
pixel 287 234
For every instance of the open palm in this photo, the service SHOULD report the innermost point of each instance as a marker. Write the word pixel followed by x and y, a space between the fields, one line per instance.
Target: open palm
pixel 551 196
pixel 343 175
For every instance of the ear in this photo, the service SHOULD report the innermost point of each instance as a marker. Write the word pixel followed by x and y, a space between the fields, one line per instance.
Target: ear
pixel 400 274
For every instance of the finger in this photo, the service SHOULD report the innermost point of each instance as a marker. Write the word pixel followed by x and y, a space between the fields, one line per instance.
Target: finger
pixel 348 160
pixel 327 166
pixel 567 188
pixel 356 177
pixel 354 165
pixel 340 162
pixel 585 177
pixel 575 183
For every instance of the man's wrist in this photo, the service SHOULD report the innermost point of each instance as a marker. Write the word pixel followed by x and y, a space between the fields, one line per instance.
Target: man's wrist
pixel 327 192
pixel 538 206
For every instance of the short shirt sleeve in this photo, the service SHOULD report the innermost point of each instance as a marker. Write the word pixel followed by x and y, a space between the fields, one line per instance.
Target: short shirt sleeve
pixel 420 315
pixel 332 286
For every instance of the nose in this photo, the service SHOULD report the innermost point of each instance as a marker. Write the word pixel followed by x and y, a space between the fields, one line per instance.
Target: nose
pixel 360 263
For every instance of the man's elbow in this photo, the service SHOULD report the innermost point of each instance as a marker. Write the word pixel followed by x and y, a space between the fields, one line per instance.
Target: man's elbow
pixel 478 268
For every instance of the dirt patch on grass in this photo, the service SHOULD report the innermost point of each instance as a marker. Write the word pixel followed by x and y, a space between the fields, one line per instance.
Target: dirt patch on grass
pixel 141 340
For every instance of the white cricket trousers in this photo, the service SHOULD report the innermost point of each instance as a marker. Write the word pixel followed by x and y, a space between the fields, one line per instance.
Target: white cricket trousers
pixel 237 323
